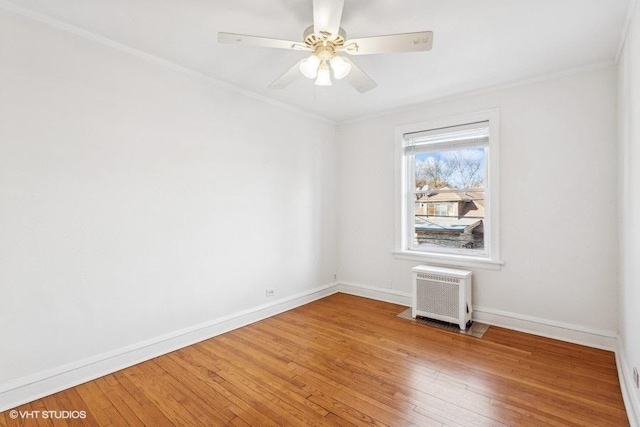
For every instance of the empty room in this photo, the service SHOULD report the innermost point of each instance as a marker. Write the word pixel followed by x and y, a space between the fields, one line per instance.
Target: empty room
pixel 320 212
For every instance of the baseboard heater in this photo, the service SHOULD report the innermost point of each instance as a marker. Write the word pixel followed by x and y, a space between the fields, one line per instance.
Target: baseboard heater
pixel 442 294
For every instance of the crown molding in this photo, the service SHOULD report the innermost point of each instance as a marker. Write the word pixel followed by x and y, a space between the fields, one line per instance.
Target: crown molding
pixel 483 90
pixel 625 28
pixel 106 41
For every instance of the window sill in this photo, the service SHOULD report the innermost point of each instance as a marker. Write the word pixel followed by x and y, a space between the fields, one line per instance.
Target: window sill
pixel 449 260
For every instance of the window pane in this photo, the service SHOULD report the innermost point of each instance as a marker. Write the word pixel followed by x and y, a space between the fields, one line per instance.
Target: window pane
pixel 455 169
pixel 449 199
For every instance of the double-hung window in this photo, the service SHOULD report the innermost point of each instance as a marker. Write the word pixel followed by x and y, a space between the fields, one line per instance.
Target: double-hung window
pixel 447 190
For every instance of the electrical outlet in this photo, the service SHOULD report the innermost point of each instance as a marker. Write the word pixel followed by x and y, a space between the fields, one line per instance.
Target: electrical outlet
pixel 636 379
pixel 271 292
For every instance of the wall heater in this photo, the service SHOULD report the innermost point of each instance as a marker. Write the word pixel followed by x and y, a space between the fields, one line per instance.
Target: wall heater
pixel 442 294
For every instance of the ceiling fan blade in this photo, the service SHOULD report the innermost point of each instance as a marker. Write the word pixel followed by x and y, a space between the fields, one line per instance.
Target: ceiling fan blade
pixel 326 17
pixel 260 41
pixel 358 79
pixel 287 77
pixel 409 42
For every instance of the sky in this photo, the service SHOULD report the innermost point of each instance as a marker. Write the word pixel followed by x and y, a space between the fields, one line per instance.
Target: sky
pixel 470 157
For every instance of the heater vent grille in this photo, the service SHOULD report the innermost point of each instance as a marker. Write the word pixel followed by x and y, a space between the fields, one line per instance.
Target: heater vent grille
pixel 438 278
pixel 442 294
pixel 438 297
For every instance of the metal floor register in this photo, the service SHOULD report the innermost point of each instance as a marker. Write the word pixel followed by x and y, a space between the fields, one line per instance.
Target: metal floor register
pixel 476 329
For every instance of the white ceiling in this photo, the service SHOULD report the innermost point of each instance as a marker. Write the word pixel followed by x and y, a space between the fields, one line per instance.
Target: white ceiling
pixel 477 43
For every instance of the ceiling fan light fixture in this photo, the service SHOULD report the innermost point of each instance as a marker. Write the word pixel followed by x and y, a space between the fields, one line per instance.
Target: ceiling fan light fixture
pixel 324 75
pixel 340 67
pixel 309 67
pixel 324 40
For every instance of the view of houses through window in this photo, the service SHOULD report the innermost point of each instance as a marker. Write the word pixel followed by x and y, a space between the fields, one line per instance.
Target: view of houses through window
pixel 449 198
pixel 449 189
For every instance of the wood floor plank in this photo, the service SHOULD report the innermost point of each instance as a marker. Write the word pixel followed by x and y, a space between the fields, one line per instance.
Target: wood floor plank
pixel 253 394
pixel 110 390
pixel 238 403
pixel 96 401
pixel 51 403
pixel 350 361
pixel 288 395
pixel 31 421
pixel 196 391
pixel 200 413
pixel 144 407
pixel 239 422
pixel 72 401
pixel 39 406
pixel 380 382
pixel 165 399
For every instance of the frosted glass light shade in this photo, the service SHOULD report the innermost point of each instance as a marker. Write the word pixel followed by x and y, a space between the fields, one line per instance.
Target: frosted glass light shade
pixel 309 67
pixel 340 67
pixel 324 75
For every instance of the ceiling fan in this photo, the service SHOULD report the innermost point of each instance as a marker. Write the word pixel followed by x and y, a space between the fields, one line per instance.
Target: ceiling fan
pixel 325 39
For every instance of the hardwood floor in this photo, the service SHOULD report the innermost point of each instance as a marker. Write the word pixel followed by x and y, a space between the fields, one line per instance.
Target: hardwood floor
pixel 345 361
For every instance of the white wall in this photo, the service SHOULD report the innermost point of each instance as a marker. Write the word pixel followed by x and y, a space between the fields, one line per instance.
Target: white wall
pixel 137 200
pixel 629 175
pixel 558 204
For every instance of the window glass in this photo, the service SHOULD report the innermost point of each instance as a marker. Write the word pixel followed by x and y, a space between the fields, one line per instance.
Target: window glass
pixel 448 189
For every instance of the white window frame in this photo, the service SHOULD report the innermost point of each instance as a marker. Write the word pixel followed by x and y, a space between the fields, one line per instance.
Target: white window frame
pixel 490 259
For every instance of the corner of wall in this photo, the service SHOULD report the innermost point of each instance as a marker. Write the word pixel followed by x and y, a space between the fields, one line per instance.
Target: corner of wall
pixel 630 398
pixel 42 384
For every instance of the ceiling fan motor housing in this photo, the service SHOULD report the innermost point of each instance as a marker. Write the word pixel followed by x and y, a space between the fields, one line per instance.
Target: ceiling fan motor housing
pixel 312 40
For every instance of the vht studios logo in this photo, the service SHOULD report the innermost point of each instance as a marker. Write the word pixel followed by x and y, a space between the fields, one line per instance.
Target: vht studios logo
pixel 51 415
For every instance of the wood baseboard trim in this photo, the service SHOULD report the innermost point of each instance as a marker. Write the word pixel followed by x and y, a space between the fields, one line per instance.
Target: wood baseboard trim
pixel 27 389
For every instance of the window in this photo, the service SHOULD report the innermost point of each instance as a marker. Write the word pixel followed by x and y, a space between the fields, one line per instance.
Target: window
pixel 441 209
pixel 447 190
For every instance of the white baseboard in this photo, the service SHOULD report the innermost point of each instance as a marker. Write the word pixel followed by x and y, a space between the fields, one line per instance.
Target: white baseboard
pixel 27 389
pixel 630 396
pixel 372 292
pixel 547 328
pixel 42 384
pixel 591 337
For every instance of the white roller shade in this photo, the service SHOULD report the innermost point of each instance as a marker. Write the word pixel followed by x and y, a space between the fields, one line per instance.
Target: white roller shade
pixel 469 135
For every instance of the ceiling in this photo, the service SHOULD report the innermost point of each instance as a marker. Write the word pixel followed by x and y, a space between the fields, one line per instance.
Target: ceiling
pixel 476 43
